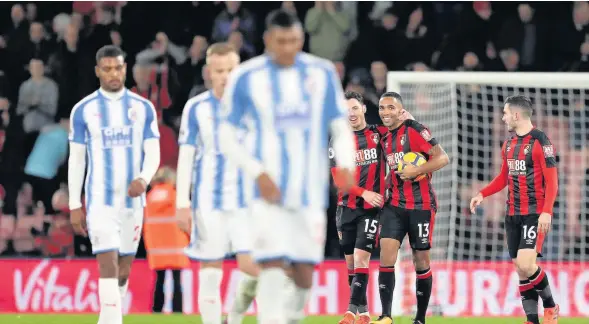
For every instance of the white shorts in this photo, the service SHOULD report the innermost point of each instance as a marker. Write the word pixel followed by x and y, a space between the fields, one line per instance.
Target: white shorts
pixel 218 234
pixel 114 229
pixel 296 236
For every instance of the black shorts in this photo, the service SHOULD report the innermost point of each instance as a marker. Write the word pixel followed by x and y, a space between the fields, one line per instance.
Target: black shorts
pixel 522 233
pixel 396 222
pixel 356 228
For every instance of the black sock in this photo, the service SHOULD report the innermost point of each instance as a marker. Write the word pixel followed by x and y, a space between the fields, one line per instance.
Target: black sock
pixel 386 287
pixel 540 283
pixel 529 301
pixel 423 292
pixel 350 277
pixel 358 291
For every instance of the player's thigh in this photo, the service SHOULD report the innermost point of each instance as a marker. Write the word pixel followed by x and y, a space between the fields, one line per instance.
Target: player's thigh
pixel 306 236
pixel 513 230
pixel 346 229
pixel 130 235
pixel 104 227
pixel 208 240
pixel 366 230
pixel 421 228
pixel 239 228
pixel 392 224
pixel 270 231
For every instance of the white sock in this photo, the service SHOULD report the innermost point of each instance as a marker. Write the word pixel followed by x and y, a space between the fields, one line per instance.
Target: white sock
pixel 271 299
pixel 246 292
pixel 111 311
pixel 297 299
pixel 209 295
pixel 123 290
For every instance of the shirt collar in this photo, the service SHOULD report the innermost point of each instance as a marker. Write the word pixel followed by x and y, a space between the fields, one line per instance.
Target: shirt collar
pixel 112 95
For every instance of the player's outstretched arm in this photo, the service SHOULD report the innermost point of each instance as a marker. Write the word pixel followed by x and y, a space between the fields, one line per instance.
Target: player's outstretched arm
pixel 496 185
pixel 543 154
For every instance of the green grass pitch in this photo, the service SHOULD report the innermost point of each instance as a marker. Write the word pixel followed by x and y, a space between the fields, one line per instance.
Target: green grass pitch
pixel 187 319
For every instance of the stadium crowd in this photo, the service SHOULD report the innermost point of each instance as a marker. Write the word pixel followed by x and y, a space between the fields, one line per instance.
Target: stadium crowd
pixel 47 65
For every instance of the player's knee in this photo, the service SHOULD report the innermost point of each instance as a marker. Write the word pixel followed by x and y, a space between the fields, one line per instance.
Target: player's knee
pixel 209 281
pixel 388 252
pixel 302 275
pixel 361 258
pixel 421 260
pixel 247 265
pixel 348 248
pixel 108 265
pixel 525 267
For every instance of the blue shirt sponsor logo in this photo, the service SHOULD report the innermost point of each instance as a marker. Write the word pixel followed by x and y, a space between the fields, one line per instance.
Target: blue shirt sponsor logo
pixel 117 136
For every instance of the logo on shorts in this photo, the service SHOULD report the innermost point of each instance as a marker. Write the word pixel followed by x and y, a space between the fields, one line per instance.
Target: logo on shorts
pixel 527 149
pixel 402 139
pixel 426 135
pixel 374 138
pixel 339 234
pixel 548 151
pixel 530 241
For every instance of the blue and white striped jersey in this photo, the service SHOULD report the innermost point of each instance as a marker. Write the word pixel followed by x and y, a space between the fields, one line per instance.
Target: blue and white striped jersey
pixel 113 127
pixel 217 183
pixel 291 110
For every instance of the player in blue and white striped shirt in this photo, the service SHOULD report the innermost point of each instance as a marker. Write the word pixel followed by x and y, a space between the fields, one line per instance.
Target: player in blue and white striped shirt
pixel 292 99
pixel 220 222
pixel 118 131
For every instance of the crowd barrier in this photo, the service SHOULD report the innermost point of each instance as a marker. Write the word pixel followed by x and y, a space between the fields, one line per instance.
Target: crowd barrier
pixel 460 288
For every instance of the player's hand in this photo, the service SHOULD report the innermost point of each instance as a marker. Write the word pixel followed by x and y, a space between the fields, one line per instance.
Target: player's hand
pixel 137 187
pixel 345 179
pixel 268 188
pixel 373 198
pixel 409 172
pixel 78 220
pixel 544 222
pixel 475 201
pixel 184 220
pixel 406 115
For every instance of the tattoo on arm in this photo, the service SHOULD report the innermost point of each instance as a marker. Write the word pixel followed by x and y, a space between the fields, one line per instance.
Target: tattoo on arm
pixel 436 150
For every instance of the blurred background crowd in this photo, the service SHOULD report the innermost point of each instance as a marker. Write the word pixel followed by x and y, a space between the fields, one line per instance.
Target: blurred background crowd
pixel 47 65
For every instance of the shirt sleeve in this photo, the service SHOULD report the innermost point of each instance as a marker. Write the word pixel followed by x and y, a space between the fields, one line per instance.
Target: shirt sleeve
pixel 546 154
pixel 77 126
pixel 543 153
pixel 188 126
pixel 335 102
pixel 421 136
pixel 500 180
pixel 151 129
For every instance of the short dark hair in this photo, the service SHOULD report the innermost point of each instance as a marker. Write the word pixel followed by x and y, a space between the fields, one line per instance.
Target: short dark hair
pixel 392 94
pixel 109 51
pixel 354 95
pixel 281 18
pixel 522 102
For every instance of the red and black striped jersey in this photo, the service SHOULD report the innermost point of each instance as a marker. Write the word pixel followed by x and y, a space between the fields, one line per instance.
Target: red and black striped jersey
pixel 525 159
pixel 370 167
pixel 411 136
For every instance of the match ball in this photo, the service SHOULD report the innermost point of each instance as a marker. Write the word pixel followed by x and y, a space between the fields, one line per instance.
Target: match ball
pixel 414 158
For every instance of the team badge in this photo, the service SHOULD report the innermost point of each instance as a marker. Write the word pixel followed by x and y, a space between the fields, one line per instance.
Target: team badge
pixel 132 114
pixel 375 138
pixel 402 139
pixel 426 135
pixel 548 151
pixel 527 149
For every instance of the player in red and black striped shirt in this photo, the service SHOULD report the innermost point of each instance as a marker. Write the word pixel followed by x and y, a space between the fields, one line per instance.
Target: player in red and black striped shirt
pixel 357 212
pixel 529 172
pixel 411 206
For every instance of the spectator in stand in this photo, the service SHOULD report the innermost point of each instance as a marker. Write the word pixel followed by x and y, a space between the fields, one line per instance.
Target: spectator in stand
pixel 37 103
pixel 17 34
pixel 236 40
pixel 59 25
pixel 37 46
pixel 328 27
pixel 190 73
pixel 420 39
pixel 527 36
pixel 31 12
pixel 49 153
pixel 164 241
pixel 571 40
pixel 389 38
pixel 204 86
pixel 378 71
pixel 235 18
pixel 4 121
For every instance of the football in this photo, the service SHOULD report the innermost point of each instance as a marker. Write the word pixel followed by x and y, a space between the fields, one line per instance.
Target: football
pixel 414 158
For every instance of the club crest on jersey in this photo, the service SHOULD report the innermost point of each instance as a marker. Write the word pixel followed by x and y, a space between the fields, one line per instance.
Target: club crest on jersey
pixel 375 138
pixel 132 114
pixel 548 150
pixel 402 139
pixel 527 149
pixel 426 135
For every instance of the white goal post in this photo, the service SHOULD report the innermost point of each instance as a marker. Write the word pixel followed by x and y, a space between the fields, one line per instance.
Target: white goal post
pixel 463 111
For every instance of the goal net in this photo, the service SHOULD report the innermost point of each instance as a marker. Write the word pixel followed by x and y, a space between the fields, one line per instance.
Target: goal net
pixel 473 274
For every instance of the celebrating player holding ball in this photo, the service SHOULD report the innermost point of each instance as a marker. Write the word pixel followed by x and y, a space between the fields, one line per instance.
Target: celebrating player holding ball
pixel 529 171
pixel 411 206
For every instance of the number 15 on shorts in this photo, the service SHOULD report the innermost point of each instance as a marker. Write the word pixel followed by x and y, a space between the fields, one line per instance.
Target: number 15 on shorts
pixel 370 226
